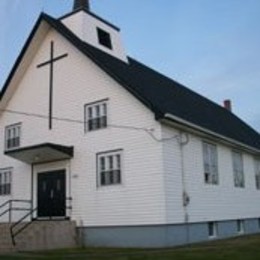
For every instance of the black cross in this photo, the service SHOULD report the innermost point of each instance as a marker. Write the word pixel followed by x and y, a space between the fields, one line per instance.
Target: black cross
pixel 51 63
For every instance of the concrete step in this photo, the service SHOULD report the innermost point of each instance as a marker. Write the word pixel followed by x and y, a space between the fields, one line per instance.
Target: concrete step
pixel 5 238
pixel 40 235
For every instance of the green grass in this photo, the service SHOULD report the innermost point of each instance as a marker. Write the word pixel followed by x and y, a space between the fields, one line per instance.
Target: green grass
pixel 242 248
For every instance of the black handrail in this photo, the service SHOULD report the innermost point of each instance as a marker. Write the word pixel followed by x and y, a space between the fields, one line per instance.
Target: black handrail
pixel 11 208
pixel 30 213
pixel 14 234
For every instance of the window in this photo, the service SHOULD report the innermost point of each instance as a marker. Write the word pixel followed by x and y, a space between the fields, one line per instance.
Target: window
pixel 257 174
pixel 96 115
pixel 5 181
pixel 109 168
pixel 212 229
pixel 238 169
pixel 240 226
pixel 12 136
pixel 104 38
pixel 210 158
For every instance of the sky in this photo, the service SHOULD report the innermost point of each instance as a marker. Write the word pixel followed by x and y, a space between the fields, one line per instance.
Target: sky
pixel 212 47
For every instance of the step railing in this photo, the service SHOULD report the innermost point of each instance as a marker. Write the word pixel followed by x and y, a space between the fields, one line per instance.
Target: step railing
pixel 16 229
pixel 16 232
pixel 9 206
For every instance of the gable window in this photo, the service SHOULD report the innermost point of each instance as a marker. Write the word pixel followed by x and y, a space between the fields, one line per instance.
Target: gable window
pixel 210 158
pixel 212 229
pixel 12 136
pixel 257 174
pixel 239 180
pixel 109 168
pixel 104 38
pixel 96 115
pixel 240 226
pixel 5 181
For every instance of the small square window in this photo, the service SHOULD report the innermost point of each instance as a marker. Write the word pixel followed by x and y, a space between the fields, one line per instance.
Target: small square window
pixel 109 168
pixel 5 181
pixel 96 116
pixel 12 136
pixel 240 226
pixel 104 38
pixel 212 229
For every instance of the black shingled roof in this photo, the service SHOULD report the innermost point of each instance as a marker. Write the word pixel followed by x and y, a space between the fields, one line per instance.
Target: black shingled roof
pixel 163 95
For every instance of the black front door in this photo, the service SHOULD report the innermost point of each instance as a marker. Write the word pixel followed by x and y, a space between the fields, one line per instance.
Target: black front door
pixel 51 194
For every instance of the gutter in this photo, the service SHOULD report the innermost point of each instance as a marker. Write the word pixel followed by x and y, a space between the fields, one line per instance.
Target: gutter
pixel 198 130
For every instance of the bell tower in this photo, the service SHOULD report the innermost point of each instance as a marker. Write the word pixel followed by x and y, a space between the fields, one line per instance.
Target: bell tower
pixel 94 30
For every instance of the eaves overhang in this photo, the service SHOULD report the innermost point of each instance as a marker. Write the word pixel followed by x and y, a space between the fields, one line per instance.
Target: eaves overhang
pixel 41 153
pixel 201 131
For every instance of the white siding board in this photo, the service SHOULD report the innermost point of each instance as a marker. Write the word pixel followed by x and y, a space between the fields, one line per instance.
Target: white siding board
pixel 208 202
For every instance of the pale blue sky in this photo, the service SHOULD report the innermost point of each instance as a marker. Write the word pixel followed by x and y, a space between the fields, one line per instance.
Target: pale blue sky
pixel 210 46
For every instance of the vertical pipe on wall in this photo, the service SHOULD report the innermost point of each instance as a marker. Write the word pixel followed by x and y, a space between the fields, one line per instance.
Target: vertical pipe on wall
pixel 32 169
pixel 184 140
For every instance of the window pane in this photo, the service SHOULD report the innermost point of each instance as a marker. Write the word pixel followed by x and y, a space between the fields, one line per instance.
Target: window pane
pixel 102 179
pixel 102 163
pixel 104 109
pixel 110 159
pixel 90 113
pixel 97 109
pixel 118 161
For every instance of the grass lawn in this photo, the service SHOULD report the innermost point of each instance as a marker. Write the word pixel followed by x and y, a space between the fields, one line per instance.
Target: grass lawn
pixel 241 248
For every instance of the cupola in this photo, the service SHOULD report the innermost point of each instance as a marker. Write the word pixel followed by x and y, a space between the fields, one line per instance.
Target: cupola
pixel 94 30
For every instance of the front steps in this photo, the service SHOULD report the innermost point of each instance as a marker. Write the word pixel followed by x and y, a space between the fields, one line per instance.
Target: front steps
pixel 40 235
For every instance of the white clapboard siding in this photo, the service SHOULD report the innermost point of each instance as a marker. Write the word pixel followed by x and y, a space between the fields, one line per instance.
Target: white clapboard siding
pixel 77 81
pixel 207 202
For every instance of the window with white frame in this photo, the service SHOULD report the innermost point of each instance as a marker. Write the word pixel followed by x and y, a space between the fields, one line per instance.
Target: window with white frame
pixel 96 115
pixel 257 173
pixel 12 136
pixel 210 158
pixel 238 169
pixel 212 229
pixel 5 181
pixel 240 226
pixel 109 168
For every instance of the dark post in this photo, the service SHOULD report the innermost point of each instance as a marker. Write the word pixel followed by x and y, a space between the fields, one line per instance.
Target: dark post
pixel 79 4
pixel 10 210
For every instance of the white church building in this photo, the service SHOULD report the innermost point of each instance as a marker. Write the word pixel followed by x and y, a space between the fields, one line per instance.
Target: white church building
pixel 134 158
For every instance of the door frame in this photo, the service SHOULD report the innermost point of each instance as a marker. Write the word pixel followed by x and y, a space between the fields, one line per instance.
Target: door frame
pixel 63 165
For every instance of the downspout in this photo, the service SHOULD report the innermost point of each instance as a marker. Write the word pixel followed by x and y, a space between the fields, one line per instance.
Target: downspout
pixel 184 140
